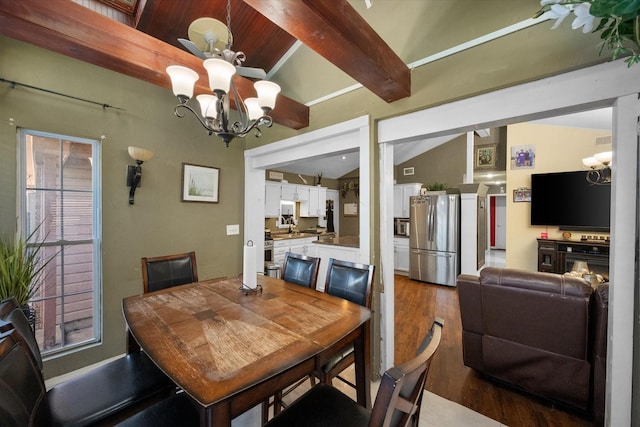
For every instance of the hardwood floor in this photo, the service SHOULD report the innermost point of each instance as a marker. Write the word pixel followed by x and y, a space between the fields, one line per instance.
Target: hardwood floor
pixel 416 305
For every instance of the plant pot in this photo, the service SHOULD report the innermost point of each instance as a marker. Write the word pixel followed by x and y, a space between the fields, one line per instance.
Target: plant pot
pixel 30 314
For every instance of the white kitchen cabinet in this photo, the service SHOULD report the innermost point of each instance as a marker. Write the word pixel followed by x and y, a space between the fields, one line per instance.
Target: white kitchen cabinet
pixel 272 199
pixel 322 201
pixel 289 192
pixel 312 199
pixel 401 194
pixel 315 207
pixel 401 255
pixel 297 193
pixel 310 209
pixel 302 193
pixel 299 246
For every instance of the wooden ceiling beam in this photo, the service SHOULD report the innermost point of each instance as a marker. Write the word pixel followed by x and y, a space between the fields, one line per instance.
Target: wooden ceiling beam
pixel 336 31
pixel 65 27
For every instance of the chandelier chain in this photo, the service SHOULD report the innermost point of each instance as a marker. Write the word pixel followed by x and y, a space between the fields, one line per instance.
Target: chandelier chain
pixel 229 34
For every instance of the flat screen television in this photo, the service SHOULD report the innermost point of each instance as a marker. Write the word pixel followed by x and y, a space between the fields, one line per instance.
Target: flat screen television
pixel 567 200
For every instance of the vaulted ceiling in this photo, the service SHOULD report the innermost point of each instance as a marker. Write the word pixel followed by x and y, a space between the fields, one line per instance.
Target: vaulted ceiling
pixel 263 29
pixel 314 49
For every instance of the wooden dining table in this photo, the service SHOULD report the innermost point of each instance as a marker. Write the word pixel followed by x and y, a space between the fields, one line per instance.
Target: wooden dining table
pixel 229 350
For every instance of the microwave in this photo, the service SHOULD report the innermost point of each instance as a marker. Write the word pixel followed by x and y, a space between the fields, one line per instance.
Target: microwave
pixel 401 227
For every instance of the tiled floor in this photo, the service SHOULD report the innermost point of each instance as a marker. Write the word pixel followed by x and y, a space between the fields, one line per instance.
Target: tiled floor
pixel 495 258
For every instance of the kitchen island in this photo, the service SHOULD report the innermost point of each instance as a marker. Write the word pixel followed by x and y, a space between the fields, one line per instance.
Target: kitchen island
pixel 337 240
pixel 298 243
pixel 346 248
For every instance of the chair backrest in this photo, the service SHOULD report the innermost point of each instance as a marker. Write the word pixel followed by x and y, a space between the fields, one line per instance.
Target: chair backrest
pixel 350 281
pixel 301 270
pixel 23 396
pixel 10 311
pixel 401 388
pixel 167 271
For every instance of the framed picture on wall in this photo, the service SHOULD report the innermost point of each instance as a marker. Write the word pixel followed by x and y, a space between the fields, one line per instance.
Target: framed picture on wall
pixel 523 157
pixel 350 209
pixel 522 195
pixel 200 183
pixel 485 156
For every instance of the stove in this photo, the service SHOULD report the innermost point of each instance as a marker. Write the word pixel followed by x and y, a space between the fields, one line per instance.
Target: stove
pixel 268 247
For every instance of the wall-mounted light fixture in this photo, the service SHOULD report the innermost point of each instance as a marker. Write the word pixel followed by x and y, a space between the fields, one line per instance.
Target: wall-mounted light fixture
pixel 599 165
pixel 134 173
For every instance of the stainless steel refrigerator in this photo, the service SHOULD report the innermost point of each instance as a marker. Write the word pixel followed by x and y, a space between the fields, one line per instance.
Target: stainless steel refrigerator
pixel 434 238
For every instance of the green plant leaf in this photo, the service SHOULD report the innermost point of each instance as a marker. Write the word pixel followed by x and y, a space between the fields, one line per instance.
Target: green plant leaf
pixel 604 8
pixel 21 267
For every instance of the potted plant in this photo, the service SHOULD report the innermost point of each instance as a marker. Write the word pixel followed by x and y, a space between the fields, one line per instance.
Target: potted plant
pixel 21 266
pixel 618 22
pixel 435 188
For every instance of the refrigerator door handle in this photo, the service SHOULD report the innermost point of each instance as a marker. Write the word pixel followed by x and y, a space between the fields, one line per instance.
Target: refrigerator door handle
pixel 430 222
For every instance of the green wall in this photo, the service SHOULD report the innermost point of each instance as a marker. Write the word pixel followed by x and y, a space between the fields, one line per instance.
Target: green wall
pixel 158 223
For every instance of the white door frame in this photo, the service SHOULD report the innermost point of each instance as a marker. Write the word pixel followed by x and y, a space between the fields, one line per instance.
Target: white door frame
pixel 493 211
pixel 342 137
pixel 609 84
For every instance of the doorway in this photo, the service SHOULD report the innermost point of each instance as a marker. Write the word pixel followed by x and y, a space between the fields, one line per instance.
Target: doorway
pixel 497 221
pixel 562 94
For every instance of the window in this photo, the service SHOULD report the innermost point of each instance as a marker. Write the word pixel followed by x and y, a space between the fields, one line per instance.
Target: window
pixel 59 196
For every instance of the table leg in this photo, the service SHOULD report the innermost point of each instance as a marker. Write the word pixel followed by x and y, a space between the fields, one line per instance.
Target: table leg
pixel 216 415
pixel 362 357
pixel 132 344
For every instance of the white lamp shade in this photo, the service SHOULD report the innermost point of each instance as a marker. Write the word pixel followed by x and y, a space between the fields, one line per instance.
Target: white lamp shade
pixel 590 162
pixel 604 157
pixel 253 108
pixel 220 73
pixel 182 80
pixel 208 105
pixel 267 93
pixel 140 154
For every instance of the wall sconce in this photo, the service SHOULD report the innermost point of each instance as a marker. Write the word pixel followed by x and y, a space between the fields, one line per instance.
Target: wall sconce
pixel 134 173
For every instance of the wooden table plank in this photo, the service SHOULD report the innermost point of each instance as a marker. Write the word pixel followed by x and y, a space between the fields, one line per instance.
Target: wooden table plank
pixel 216 342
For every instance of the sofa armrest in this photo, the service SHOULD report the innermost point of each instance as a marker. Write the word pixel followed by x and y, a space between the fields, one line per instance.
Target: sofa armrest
pixel 470 303
pixel 471 314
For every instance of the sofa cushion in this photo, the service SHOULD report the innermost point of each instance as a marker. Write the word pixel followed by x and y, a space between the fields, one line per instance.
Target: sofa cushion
pixel 540 310
pixel 537 371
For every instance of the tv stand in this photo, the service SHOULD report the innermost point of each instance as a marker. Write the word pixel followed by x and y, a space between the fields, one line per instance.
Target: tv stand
pixel 558 256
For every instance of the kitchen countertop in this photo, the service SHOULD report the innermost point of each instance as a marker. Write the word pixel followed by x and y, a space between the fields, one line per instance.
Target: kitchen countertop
pixel 292 236
pixel 346 241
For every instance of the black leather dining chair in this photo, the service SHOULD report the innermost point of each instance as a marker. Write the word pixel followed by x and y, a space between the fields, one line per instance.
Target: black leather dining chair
pixel 353 282
pixel 103 394
pixel 301 270
pixel 397 403
pixel 348 280
pixel 170 270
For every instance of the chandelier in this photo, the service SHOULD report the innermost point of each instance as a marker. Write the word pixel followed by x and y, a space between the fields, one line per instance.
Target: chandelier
pixel 599 165
pixel 221 65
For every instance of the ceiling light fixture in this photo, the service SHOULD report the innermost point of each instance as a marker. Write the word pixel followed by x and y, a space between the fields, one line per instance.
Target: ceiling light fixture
pixel 221 66
pixel 599 165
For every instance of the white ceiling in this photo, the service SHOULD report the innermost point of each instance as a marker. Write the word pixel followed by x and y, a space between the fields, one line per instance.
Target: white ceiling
pixel 337 165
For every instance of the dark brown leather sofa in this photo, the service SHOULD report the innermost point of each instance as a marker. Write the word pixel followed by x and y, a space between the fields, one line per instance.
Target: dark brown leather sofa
pixel 539 332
